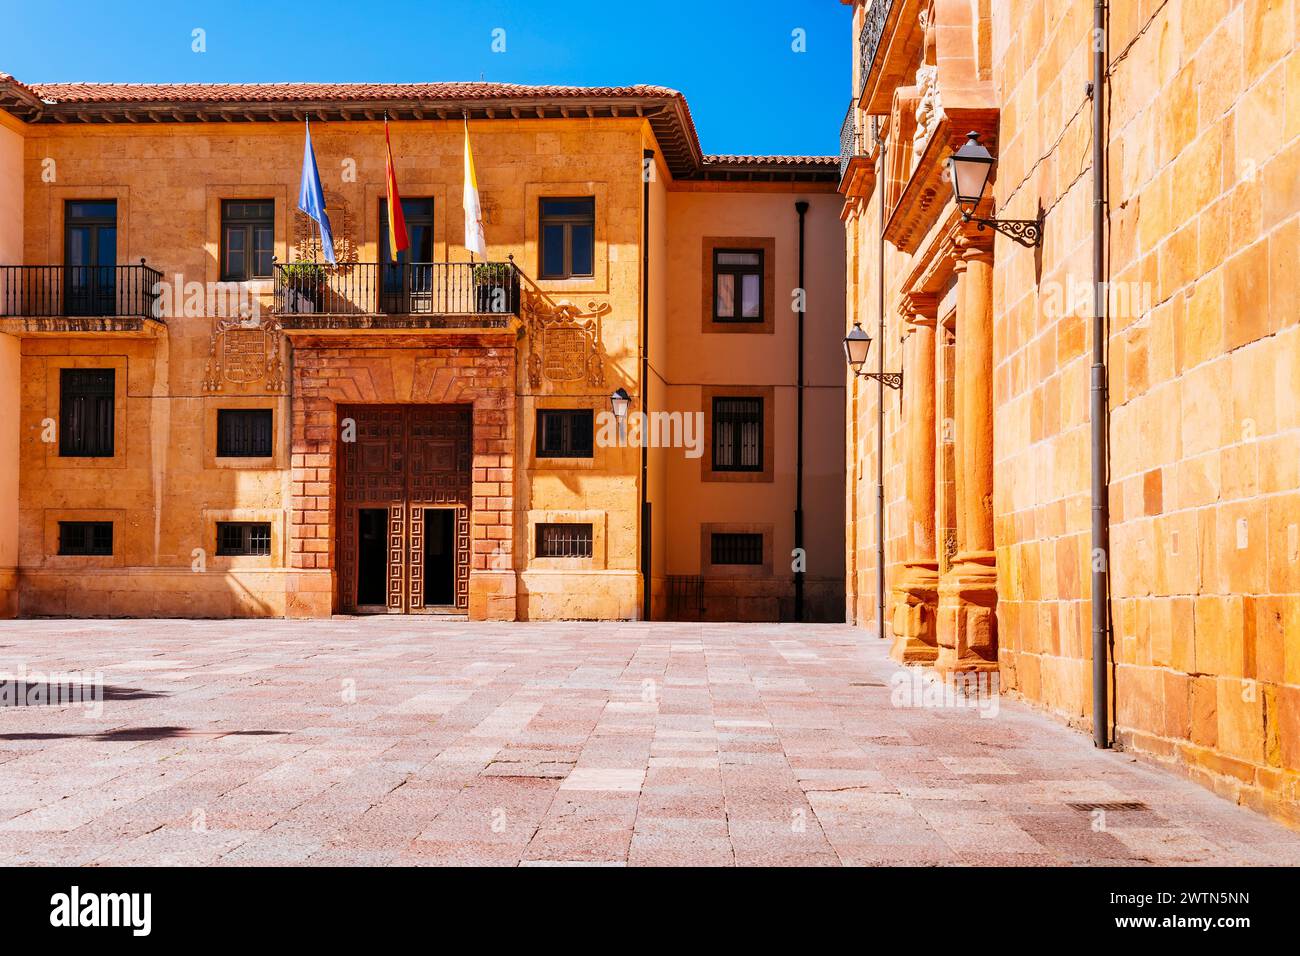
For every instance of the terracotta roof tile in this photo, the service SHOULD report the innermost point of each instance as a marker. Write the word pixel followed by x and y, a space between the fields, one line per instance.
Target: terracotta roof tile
pixel 307 92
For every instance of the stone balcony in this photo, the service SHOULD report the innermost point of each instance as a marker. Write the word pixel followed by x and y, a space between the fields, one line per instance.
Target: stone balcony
pixel 61 300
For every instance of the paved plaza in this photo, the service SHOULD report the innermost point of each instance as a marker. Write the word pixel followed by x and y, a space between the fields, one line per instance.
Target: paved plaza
pixel 408 740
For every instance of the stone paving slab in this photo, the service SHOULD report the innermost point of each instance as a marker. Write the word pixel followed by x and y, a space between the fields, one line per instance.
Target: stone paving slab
pixel 416 742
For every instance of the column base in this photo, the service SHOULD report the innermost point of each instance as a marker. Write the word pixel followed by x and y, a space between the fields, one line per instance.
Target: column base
pixel 916 599
pixel 967 619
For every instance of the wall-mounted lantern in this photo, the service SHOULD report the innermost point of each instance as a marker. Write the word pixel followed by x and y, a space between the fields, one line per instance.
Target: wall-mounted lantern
pixel 969 170
pixel 856 346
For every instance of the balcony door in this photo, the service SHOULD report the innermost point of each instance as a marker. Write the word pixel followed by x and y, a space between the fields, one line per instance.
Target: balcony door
pixel 407 284
pixel 90 257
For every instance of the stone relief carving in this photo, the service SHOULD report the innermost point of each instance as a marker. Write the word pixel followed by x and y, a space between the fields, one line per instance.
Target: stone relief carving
pixel 928 106
pixel 343 225
pixel 564 344
pixel 245 353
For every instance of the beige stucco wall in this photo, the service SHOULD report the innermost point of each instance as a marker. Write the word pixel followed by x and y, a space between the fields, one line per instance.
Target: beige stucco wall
pixel 698 359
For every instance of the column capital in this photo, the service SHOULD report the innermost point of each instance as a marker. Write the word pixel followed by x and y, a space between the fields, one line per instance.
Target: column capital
pixel 919 308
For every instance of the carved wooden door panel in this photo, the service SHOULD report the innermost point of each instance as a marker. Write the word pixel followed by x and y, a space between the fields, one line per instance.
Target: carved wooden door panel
pixel 405 459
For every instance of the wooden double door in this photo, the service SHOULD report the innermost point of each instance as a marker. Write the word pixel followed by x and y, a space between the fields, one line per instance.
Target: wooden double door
pixel 404 480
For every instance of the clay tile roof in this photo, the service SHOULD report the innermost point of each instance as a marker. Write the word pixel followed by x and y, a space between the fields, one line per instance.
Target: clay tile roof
pixel 99 93
pixel 665 109
pixel 740 160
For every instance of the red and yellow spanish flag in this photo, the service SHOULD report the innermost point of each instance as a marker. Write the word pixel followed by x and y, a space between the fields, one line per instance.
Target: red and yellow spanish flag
pixel 397 238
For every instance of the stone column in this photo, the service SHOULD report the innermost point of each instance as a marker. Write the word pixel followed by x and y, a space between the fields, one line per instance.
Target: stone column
pixel 968 592
pixel 917 589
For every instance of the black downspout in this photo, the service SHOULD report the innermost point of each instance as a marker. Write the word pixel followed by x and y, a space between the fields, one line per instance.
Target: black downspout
pixel 647 528
pixel 801 208
pixel 1097 395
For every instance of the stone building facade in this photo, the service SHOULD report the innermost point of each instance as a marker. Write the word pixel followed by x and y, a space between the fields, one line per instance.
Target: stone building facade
pixel 988 553
pixel 202 420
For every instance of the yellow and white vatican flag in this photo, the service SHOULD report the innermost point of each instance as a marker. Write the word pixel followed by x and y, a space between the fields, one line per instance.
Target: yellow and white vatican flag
pixel 474 240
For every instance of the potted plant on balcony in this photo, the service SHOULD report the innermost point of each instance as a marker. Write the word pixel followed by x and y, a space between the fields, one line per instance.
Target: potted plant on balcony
pixel 496 287
pixel 305 284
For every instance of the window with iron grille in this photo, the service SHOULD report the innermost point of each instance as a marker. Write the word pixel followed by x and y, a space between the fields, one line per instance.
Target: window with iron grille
pixel 243 538
pixel 244 432
pixel 736 548
pixel 86 412
pixel 738 434
pixel 247 239
pixel 564 540
pixel 738 285
pixel 567 230
pixel 565 432
pixel 86 537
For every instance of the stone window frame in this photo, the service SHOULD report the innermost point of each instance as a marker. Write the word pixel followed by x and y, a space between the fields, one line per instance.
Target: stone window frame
pixel 211 517
pixel 709 570
pixel 768 394
pixel 764 244
pixel 279 407
pixel 534 193
pixel 599 460
pixel 370 242
pixel 55 561
pixel 214 197
pixel 597 520
pixel 54 365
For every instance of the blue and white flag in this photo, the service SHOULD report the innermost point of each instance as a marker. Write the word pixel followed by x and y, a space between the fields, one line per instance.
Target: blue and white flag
pixel 311 198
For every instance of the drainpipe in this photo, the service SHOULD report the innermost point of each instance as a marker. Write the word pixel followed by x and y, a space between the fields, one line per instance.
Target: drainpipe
pixel 1097 394
pixel 880 395
pixel 801 208
pixel 647 528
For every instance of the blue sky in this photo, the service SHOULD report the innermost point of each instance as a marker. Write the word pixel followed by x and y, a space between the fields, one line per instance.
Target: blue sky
pixel 748 90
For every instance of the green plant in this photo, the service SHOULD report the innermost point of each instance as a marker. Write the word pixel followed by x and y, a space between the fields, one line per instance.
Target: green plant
pixel 492 274
pixel 304 275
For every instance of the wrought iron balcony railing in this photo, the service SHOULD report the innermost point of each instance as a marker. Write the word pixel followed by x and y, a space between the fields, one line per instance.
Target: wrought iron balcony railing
pixel 873 27
pixel 856 165
pixel 433 289
pixel 79 291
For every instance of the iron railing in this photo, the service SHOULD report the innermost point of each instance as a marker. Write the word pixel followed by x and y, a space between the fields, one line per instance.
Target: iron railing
pixel 52 291
pixel 397 288
pixel 852 142
pixel 873 27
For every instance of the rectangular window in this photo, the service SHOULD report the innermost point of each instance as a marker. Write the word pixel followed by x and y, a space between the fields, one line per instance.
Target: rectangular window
pixel 86 537
pixel 243 538
pixel 407 281
pixel 564 540
pixel 568 238
pixel 86 409
pixel 738 285
pixel 565 433
pixel 247 239
pixel 733 548
pixel 738 434
pixel 244 432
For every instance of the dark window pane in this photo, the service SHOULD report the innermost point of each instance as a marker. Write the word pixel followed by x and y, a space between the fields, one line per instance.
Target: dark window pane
pixel 86 537
pixel 247 238
pixel 584 250
pixel 569 207
pixel 736 548
pixel 86 412
pixel 567 235
pixel 243 538
pixel 244 432
pixel 564 540
pixel 565 432
pixel 92 210
pixel 737 434
pixel 552 251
